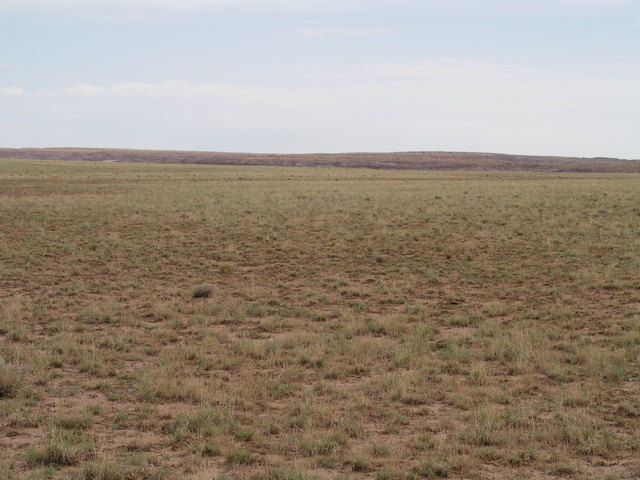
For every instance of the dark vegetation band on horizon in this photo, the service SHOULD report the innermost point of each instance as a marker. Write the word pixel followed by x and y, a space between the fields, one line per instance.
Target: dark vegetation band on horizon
pixel 447 161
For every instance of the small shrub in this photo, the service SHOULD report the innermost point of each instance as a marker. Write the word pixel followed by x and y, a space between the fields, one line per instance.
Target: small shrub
pixel 204 290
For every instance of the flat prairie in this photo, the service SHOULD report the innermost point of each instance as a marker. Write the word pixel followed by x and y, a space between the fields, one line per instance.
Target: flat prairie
pixel 279 323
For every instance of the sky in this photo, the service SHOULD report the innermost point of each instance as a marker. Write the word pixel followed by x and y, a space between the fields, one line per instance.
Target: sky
pixel 542 77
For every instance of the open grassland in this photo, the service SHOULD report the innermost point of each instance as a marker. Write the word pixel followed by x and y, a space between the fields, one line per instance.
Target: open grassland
pixel 204 322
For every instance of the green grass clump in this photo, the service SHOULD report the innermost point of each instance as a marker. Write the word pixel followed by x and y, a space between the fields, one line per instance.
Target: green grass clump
pixel 74 422
pixel 209 450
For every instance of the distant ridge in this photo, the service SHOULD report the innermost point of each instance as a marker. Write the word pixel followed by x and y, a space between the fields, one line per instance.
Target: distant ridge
pixel 460 161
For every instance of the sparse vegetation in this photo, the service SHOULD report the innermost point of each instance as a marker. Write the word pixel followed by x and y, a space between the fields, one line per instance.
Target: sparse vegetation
pixel 354 324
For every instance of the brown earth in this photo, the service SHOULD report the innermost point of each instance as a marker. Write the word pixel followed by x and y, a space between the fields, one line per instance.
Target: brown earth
pixel 461 161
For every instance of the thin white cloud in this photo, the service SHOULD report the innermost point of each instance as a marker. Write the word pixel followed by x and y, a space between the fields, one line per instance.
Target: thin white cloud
pixel 11 91
pixel 181 91
pixel 465 86
pixel 340 32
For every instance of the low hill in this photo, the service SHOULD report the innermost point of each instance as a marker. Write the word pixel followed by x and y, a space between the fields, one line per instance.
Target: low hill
pixel 397 161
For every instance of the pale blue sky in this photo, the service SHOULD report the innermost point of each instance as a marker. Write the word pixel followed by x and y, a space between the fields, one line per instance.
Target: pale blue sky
pixel 519 76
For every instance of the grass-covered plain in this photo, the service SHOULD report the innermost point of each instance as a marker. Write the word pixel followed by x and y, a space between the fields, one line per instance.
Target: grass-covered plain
pixel 206 322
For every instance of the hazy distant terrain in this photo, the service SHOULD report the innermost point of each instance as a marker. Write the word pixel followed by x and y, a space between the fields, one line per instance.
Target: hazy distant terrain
pixel 392 161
